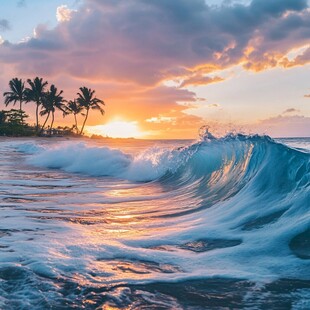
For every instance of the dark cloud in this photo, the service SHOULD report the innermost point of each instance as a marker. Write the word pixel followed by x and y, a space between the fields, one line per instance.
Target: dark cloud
pixel 291 110
pixel 21 3
pixel 4 25
pixel 277 7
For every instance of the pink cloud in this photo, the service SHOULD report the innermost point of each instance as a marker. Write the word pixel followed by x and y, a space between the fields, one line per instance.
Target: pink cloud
pixel 63 13
pixel 145 42
pixel 198 80
pixel 284 126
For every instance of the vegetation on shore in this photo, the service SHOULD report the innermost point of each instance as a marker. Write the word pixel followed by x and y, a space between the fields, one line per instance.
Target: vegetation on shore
pixel 47 101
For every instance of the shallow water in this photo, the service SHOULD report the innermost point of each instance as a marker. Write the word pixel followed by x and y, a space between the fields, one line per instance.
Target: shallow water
pixel 220 224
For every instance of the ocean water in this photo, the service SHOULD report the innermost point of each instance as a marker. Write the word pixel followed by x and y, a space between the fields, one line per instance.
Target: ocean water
pixel 116 224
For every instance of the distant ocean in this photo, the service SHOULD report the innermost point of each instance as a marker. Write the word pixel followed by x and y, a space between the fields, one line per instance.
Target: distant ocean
pixel 136 224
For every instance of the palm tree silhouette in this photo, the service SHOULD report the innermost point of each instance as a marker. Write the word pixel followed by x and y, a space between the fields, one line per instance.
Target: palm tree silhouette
pixel 51 101
pixel 74 108
pixel 87 101
pixel 2 117
pixel 35 93
pixel 17 93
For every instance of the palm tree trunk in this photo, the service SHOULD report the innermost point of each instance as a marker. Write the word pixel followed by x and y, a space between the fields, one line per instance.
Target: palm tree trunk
pixel 48 115
pixel 85 119
pixel 52 123
pixel 20 109
pixel 76 125
pixel 37 117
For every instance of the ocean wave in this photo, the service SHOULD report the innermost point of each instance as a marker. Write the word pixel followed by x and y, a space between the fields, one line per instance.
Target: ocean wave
pixel 249 187
pixel 232 211
pixel 213 160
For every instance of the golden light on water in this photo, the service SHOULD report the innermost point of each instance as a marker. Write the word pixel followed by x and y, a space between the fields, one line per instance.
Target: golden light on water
pixel 117 129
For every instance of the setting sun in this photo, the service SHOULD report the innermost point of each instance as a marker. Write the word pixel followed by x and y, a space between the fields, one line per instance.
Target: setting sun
pixel 116 129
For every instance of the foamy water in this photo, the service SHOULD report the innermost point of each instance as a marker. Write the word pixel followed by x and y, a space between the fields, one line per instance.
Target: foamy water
pixel 155 224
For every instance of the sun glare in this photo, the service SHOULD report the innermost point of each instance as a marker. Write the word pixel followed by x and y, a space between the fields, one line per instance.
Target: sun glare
pixel 116 129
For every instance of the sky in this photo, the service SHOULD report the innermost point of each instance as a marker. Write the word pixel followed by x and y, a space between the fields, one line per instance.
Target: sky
pixel 166 67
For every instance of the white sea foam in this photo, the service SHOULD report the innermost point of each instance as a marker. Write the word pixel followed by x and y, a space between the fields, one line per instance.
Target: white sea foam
pixel 102 161
pixel 28 148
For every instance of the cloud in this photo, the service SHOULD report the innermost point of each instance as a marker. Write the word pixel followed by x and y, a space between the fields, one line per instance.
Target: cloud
pixel 198 80
pixel 63 13
pixel 291 110
pixel 146 42
pixel 299 60
pixel 284 126
pixel 275 126
pixel 21 3
pixel 4 25
pixel 161 119
pixel 181 125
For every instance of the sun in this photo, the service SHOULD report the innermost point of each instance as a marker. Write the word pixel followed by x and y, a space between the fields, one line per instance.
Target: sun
pixel 116 129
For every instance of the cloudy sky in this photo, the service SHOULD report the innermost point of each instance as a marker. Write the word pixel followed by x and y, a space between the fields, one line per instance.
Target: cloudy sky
pixel 169 66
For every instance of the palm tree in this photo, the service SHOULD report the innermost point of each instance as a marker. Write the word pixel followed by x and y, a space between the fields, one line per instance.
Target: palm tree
pixel 50 102
pixel 74 108
pixel 17 93
pixel 2 117
pixel 87 101
pixel 35 93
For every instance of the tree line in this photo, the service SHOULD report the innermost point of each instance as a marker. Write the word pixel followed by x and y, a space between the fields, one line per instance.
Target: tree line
pixel 47 101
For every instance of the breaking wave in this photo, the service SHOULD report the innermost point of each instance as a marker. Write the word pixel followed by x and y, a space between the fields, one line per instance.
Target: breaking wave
pixel 159 226
pixel 254 186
